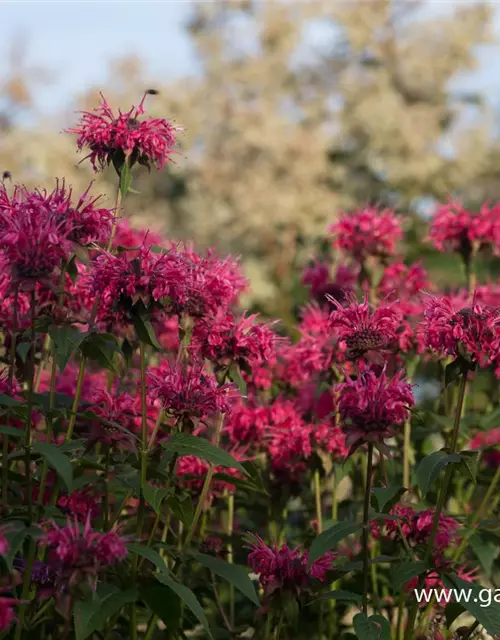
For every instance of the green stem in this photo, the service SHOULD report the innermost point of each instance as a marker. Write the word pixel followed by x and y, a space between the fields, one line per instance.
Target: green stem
pixel 118 203
pixel 12 366
pixel 151 627
pixel 26 589
pixel 366 508
pixel 76 399
pixel 206 485
pixel 480 513
pixel 50 428
pixel 443 494
pixel 317 496
pixel 230 527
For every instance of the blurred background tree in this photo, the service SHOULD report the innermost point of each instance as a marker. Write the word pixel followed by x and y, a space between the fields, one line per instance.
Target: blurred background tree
pixel 298 110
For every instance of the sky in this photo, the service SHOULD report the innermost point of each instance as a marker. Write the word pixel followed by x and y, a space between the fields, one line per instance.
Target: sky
pixel 75 40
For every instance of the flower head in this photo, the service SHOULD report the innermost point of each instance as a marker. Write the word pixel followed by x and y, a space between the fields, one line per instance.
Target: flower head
pixel 113 137
pixel 281 568
pixel 367 232
pixel 489 440
pixel 452 326
pixel 372 405
pixel 188 390
pixel 361 329
pixel 7 612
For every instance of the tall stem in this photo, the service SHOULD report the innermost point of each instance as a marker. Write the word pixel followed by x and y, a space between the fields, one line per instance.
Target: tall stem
pixel 118 203
pixel 443 494
pixel 28 476
pixel 5 439
pixel 366 552
pixel 230 527
pixel 206 485
pixel 317 495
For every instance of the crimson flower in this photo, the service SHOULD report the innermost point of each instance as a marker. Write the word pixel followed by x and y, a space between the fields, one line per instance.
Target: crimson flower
pixel 487 440
pixel 371 406
pixel 360 329
pixel 80 553
pixel 367 232
pixel 114 137
pixel 453 327
pixel 188 390
pixel 7 612
pixel 282 569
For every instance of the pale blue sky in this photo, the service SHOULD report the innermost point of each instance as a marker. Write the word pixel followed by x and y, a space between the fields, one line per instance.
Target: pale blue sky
pixel 76 39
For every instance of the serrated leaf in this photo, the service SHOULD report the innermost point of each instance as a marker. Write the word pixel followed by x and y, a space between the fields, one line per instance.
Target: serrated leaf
pixel 92 615
pixel 383 499
pixel 485 552
pixel 162 601
pixel 189 599
pixel 342 596
pixel 406 571
pixel 154 496
pixel 430 467
pixel 149 554
pixel 57 460
pixel 468 464
pixel 330 538
pixel 66 340
pixel 145 331
pixel 236 377
pixel 373 628
pixel 102 348
pixel 125 174
pixel 182 509
pixel 184 444
pixel 488 616
pixel 232 573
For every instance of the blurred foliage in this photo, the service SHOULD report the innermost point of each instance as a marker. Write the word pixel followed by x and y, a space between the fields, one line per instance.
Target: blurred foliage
pixel 298 110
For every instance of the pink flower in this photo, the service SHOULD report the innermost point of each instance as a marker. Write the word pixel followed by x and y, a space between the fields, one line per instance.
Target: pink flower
pixel 284 569
pixel 225 340
pixel 333 440
pixel 361 329
pixel 131 238
pixel 192 471
pixel 114 137
pixel 120 417
pixel 371 406
pixel 417 528
pixel 79 505
pixel 454 228
pixel 188 390
pixel 34 238
pixel 433 582
pixel 487 440
pixel 79 554
pixel 246 424
pixel 6 612
pixel 367 232
pixel 452 327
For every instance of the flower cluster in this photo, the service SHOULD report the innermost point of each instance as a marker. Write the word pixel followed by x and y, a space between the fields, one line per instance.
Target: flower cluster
pixel 106 134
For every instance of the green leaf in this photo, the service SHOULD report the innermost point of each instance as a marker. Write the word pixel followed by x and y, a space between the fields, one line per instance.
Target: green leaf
pixel 57 460
pixel 373 628
pixel 430 467
pixel 236 377
pixel 154 496
pixel 384 499
pixel 452 611
pixel 406 571
pixel 12 432
pixel 66 341
pixel 459 366
pixel 149 554
pixel 485 611
pixel 23 349
pixel 145 331
pixel 233 573
pixel 162 601
pixel 7 401
pixel 125 180
pixel 342 596
pixel 468 464
pixel 189 599
pixel 102 348
pixel 182 509
pixel 485 552
pixel 16 540
pixel 92 615
pixel 184 444
pixel 329 538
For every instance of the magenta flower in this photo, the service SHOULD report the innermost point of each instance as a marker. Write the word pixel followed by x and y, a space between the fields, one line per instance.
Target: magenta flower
pixel 7 616
pixel 120 416
pixel 434 583
pixel 454 327
pixel 372 406
pixel 283 569
pixel 367 232
pixel 361 330
pixel 79 505
pixel 81 553
pixel 188 390
pixel 454 228
pixel 192 472
pixel 225 340
pixel 417 527
pixel 34 239
pixel 246 425
pixel 489 441
pixel 114 137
